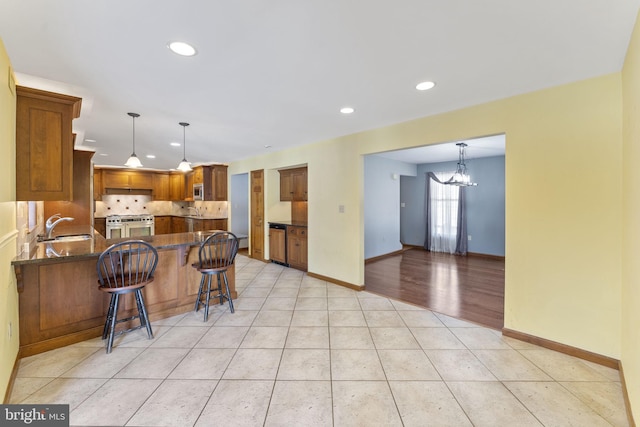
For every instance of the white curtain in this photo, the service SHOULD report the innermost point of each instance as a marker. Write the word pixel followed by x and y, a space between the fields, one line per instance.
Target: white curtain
pixel 444 214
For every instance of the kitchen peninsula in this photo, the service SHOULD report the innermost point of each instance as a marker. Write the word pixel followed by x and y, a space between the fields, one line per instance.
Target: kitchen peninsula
pixel 59 300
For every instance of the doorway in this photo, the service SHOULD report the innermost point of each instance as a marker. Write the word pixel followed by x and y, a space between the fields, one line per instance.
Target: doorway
pixel 240 207
pixel 395 219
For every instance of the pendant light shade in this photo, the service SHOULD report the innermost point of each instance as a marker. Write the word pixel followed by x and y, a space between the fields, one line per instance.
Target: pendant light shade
pixel 461 178
pixel 184 165
pixel 133 161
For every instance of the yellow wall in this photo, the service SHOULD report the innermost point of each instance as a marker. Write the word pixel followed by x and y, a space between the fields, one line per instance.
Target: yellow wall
pixel 8 294
pixel 631 215
pixel 563 204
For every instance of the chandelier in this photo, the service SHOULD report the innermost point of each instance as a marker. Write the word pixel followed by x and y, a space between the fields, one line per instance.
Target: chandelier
pixel 461 178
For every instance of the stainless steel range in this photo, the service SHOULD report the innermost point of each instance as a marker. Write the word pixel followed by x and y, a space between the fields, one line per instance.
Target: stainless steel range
pixel 119 226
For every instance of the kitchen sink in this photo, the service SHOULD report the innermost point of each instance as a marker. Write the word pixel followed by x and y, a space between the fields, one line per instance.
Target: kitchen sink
pixel 68 238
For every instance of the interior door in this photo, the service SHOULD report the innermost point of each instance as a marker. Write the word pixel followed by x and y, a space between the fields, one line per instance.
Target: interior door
pixel 257 215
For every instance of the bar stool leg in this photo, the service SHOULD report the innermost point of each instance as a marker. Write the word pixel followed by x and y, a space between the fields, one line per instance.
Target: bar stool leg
pixel 105 331
pixel 226 285
pixel 142 312
pixel 113 323
pixel 206 307
pixel 198 300
pixel 220 294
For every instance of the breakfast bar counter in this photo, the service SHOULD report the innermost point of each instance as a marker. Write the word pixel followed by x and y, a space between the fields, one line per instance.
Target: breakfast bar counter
pixel 59 300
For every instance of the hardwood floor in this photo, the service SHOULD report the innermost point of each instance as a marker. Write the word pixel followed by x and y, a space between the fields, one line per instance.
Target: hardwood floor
pixel 469 288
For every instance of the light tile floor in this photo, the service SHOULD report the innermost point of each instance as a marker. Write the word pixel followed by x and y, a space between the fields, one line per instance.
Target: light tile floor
pixel 304 352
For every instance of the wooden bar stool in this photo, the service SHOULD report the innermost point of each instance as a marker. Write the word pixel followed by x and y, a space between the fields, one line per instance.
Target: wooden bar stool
pixel 215 256
pixel 124 268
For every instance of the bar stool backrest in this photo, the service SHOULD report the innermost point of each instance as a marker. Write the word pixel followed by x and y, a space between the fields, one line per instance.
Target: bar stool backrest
pixel 218 251
pixel 127 265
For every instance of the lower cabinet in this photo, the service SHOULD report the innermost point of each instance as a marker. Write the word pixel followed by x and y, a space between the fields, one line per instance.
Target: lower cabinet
pixel 297 247
pixel 179 224
pixel 209 224
pixel 162 225
pixel 100 224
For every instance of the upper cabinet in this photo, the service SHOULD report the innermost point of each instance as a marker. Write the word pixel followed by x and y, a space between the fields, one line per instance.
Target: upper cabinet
pixel 174 186
pixel 44 144
pixel 219 182
pixel 161 186
pixel 126 180
pixel 177 186
pixel 213 179
pixel 293 184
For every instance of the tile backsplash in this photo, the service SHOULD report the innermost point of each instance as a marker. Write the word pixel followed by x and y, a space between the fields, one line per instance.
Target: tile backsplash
pixel 116 204
pixel 28 228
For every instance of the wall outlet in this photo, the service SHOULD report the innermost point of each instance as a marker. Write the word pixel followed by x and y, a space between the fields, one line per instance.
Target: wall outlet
pixel 341 208
pixel 10 330
pixel 402 205
pixel 469 237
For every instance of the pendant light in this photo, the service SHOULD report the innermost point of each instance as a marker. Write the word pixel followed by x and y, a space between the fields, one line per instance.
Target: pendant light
pixel 461 178
pixel 184 166
pixel 134 161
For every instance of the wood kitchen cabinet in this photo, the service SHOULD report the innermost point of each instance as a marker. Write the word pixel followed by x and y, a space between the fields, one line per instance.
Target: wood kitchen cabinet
pixel 179 224
pixel 161 186
pixel 100 224
pixel 213 179
pixel 141 180
pixel 297 247
pixel 97 184
pixel 44 144
pixel 162 225
pixel 293 184
pixel 116 179
pixel 215 224
pixel 199 173
pixel 188 184
pixel 176 186
pixel 80 207
pixel 219 182
pixel 209 224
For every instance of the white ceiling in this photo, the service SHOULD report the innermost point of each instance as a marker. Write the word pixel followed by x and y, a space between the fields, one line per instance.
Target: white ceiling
pixel 488 146
pixel 276 72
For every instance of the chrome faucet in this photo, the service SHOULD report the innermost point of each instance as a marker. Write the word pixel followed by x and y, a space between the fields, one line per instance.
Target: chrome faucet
pixel 195 209
pixel 49 225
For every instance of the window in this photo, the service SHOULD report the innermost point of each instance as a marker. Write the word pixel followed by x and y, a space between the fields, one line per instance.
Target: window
pixel 444 214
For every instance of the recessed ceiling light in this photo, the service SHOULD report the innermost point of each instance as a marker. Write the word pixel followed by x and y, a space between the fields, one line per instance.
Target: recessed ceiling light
pixel 182 48
pixel 175 144
pixel 89 140
pixel 425 85
pixel 347 110
pixel 150 156
pixel 267 146
pixel 103 154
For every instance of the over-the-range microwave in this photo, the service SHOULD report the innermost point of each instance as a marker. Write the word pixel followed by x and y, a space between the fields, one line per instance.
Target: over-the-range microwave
pixel 198 192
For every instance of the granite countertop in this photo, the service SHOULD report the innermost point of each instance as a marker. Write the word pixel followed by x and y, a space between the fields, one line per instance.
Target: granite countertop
pixel 290 223
pixel 181 216
pixel 46 252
